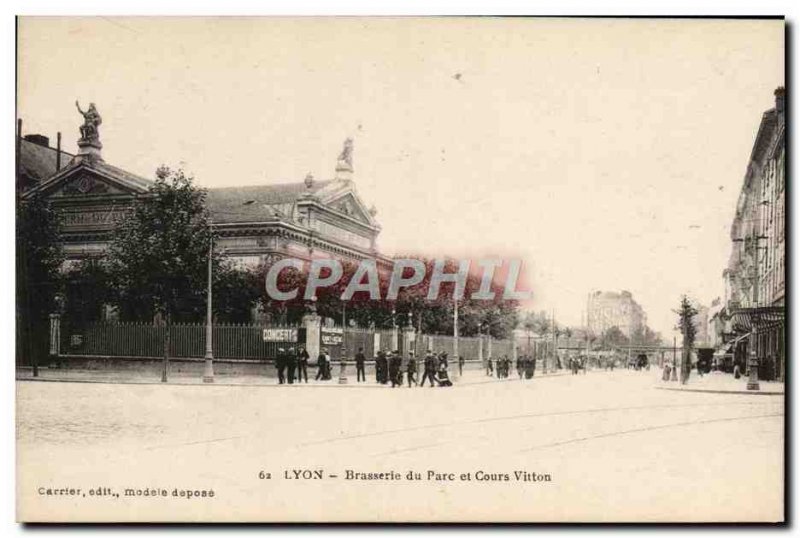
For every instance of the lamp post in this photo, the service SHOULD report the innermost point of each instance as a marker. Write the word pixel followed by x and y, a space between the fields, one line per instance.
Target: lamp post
pixel 456 356
pixel 407 343
pixel 394 329
pixel 208 370
pixel 752 352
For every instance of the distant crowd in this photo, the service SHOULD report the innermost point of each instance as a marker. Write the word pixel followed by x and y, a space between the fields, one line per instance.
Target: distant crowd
pixel 390 368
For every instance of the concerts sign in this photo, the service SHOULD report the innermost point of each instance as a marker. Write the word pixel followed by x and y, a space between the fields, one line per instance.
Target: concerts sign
pixel 280 335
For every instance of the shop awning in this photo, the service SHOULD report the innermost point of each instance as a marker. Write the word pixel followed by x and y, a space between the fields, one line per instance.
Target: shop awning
pixel 758 318
pixel 728 347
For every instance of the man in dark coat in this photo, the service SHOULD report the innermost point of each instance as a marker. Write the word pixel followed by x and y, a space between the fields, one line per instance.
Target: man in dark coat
pixel 280 364
pixel 302 364
pixel 411 369
pixel 461 365
pixel 395 361
pixel 321 365
pixel 430 370
pixel 360 359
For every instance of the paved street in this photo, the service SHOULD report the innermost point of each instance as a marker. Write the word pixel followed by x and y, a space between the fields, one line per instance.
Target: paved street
pixel 613 446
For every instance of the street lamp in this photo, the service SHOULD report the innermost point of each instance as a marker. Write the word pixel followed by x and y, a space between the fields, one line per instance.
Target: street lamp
pixel 208 371
pixel 752 359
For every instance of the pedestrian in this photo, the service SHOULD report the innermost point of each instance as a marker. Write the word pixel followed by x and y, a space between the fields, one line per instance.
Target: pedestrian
pixel 430 370
pixel 328 363
pixel 302 364
pixel 360 375
pixel 320 365
pixel 291 365
pixel 442 379
pixel 411 369
pixel 381 368
pixel 461 362
pixel 280 364
pixel 394 368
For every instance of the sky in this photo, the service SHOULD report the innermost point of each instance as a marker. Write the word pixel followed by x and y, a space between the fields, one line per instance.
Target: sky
pixel 605 154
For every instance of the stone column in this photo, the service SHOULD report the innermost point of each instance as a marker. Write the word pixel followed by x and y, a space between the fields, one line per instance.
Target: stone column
pixel 409 336
pixel 55 335
pixel 312 324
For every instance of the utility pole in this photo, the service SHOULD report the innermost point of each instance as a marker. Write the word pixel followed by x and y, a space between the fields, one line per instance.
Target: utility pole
pixel 208 371
pixel 752 377
pixel 674 375
pixel 455 336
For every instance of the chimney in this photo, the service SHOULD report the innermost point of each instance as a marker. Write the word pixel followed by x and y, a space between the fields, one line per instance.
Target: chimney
pixel 39 140
pixel 58 152
pixel 780 97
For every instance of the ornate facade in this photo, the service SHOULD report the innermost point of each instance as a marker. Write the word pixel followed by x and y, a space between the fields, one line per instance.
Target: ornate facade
pixel 755 278
pixel 253 224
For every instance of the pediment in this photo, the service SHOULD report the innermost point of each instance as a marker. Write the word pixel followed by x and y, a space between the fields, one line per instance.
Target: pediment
pixel 83 180
pixel 86 183
pixel 350 205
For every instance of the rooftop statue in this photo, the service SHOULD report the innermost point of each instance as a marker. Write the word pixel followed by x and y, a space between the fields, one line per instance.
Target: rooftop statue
pixel 91 122
pixel 346 156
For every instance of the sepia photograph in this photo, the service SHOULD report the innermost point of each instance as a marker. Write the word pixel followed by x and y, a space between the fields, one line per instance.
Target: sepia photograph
pixel 391 270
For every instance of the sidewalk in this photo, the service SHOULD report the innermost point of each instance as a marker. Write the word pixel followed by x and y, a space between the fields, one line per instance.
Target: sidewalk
pixel 721 383
pixel 57 375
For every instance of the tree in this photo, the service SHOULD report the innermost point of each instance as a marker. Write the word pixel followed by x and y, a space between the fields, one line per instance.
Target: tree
pixel 39 259
pixel 236 292
pixel 498 317
pixel 686 314
pixel 87 289
pixel 615 337
pixel 158 258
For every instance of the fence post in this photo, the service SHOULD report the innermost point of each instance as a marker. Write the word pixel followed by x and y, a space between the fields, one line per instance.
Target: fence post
pixel 55 336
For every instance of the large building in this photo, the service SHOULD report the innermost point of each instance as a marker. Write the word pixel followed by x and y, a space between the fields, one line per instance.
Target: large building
pixel 755 279
pixel 607 309
pixel 254 224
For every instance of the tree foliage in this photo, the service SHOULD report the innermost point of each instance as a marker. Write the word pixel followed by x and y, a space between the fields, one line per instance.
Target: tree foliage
pixel 158 258
pixel 686 313
pixel 434 316
pixel 39 259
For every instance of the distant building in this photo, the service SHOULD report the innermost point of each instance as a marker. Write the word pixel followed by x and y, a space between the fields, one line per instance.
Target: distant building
pixel 702 336
pixel 755 279
pixel 606 309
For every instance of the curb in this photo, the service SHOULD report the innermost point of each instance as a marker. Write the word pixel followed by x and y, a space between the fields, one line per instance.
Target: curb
pixel 722 391
pixel 332 385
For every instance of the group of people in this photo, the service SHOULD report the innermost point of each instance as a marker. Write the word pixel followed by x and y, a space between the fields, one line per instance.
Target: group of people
pixel 577 364
pixel 389 368
pixel 525 364
pixel 290 362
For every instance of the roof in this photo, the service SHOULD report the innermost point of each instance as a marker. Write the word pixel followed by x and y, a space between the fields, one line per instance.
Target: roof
pixel 38 162
pixel 119 173
pixel 256 203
